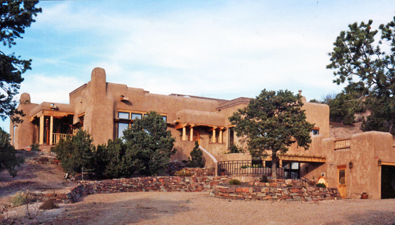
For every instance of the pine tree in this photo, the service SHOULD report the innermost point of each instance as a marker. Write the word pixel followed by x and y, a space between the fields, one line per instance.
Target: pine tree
pixel 8 158
pixel 196 157
pixel 273 122
pixel 149 145
pixel 15 16
pixel 357 57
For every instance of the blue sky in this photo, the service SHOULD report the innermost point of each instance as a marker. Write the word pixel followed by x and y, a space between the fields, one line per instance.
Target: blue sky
pixel 220 49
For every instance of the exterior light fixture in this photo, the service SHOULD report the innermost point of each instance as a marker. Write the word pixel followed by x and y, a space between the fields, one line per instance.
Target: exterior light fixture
pixel 379 162
pixel 350 165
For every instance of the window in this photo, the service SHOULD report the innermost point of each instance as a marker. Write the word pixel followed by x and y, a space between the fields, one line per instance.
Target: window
pixel 121 128
pixel 123 115
pixel 342 176
pixel 315 131
pixel 231 136
pixel 164 118
pixel 136 116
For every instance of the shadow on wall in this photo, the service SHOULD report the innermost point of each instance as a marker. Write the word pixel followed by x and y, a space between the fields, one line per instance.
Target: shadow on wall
pixel 183 152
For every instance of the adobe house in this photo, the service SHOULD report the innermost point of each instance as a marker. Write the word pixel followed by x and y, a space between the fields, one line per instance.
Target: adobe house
pixel 363 163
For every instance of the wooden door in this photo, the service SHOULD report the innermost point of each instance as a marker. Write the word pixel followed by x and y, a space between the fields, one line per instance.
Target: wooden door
pixel 341 183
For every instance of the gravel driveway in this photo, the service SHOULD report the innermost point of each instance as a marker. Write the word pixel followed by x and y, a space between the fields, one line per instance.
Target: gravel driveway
pixel 199 208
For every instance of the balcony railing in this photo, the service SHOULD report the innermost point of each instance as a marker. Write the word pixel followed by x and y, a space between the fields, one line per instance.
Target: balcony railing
pixel 57 136
pixel 342 144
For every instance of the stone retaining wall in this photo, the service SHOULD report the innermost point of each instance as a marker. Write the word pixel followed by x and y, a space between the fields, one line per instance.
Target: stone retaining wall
pixel 276 191
pixel 217 186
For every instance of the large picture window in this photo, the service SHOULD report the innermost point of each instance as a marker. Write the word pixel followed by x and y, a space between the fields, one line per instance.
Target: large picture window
pixel 121 128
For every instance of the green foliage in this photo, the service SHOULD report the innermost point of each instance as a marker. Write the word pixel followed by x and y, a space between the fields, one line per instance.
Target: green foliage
pixel 35 147
pixel 110 160
pixel 264 179
pixel 8 158
pixel 75 152
pixel 149 145
pixel 234 182
pixel 273 121
pixel 183 172
pixel 20 198
pixel 235 149
pixel 244 166
pixel 197 157
pixel 356 55
pixel 16 16
pixel 320 185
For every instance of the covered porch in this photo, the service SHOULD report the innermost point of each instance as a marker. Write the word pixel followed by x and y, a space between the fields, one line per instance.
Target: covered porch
pixel 51 126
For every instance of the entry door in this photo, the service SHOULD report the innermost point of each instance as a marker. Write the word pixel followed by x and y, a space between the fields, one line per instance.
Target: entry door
pixel 341 182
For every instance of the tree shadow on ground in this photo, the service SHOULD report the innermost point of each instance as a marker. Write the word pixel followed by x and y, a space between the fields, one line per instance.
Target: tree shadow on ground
pixel 123 212
pixel 371 217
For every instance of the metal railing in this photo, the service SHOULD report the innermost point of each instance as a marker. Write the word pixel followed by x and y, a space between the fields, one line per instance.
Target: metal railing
pixel 342 144
pixel 253 167
pixel 57 136
pixel 245 167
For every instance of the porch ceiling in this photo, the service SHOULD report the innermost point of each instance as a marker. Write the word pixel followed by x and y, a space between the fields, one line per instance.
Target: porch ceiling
pixel 56 114
pixel 301 158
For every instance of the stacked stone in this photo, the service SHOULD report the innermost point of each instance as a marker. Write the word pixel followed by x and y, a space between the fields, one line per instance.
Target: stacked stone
pixel 275 191
pixel 147 184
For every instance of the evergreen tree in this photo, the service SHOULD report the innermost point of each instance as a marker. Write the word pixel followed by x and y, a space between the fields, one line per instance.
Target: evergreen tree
pixel 8 158
pixel 75 152
pixel 356 58
pixel 16 16
pixel 149 145
pixel 110 160
pixel 196 157
pixel 272 122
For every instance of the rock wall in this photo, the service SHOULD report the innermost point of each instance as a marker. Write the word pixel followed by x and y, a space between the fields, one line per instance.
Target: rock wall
pixel 282 190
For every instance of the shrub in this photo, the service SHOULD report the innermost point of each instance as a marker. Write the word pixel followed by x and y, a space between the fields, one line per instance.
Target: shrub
pixel 35 147
pixel 48 204
pixel 75 152
pixel 8 158
pixel 197 157
pixel 234 182
pixel 185 173
pixel 320 185
pixel 244 166
pixel 20 198
pixel 264 179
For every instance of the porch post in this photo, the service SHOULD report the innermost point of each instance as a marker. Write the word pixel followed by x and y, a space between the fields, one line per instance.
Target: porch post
pixel 214 136
pixel 41 130
pixel 191 133
pixel 51 131
pixel 184 133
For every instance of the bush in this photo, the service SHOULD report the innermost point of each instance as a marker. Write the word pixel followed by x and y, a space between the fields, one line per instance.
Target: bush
pixel 234 182
pixel 185 173
pixel 48 204
pixel 8 158
pixel 244 166
pixel 197 157
pixel 75 152
pixel 20 198
pixel 264 179
pixel 320 185
pixel 35 147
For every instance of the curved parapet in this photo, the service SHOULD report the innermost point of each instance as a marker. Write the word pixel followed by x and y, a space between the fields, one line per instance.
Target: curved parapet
pixel 213 161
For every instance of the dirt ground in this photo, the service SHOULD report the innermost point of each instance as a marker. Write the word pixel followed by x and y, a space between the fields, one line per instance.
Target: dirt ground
pixel 32 176
pixel 199 208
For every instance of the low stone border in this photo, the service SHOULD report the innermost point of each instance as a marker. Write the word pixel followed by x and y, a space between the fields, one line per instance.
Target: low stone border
pixel 275 191
pixel 217 186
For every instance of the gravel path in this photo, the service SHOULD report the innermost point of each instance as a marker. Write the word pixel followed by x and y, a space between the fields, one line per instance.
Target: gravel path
pixel 199 208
